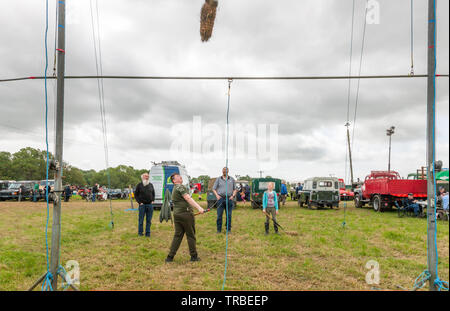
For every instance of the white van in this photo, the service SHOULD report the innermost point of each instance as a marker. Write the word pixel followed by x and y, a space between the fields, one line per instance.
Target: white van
pixel 160 178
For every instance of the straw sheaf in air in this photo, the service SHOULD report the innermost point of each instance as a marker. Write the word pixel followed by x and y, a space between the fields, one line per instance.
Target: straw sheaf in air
pixel 207 18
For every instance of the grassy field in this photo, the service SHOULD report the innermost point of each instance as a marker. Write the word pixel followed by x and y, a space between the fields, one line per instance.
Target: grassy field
pixel 324 255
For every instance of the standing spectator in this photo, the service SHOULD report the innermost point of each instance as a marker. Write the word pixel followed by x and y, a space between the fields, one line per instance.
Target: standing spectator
pixel 284 192
pixel 94 192
pixel 35 191
pixel 184 219
pixel 47 192
pixel 144 196
pixel 21 192
pixel 224 186
pixel 270 207
pixel 67 193
pixel 444 198
pixel 247 192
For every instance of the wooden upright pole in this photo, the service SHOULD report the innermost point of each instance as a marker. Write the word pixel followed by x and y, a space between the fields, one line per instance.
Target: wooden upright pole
pixel 56 227
pixel 431 215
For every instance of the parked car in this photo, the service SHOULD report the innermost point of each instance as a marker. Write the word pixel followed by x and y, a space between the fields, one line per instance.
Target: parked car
pixel 320 192
pixel 259 186
pixel 115 194
pixel 382 189
pixel 22 189
pixel 4 184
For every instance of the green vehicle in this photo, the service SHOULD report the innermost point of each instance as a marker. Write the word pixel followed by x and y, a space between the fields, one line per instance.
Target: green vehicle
pixel 320 192
pixel 259 185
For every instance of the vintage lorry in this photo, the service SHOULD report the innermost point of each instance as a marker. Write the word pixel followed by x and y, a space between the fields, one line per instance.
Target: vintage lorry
pixel 381 189
pixel 345 193
pixel 320 192
pixel 259 186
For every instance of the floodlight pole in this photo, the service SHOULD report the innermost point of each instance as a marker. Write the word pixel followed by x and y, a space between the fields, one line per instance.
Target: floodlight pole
pixel 431 215
pixel 389 163
pixel 389 132
pixel 56 227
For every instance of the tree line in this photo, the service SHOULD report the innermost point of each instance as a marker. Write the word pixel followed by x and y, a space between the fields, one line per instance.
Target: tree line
pixel 30 164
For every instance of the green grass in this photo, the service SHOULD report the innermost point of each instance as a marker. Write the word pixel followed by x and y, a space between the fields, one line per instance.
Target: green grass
pixel 323 256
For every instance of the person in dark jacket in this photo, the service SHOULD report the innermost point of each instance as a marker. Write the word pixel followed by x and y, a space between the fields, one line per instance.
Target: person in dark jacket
pixel 67 193
pixel 145 195
pixel 412 204
pixel 94 192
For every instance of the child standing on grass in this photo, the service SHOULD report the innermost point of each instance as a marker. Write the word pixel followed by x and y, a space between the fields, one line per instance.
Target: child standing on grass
pixel 270 206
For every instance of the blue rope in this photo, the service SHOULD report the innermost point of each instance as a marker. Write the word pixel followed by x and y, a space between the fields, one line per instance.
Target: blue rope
pixel 46 285
pixel 65 284
pixel 421 280
pixel 345 209
pixel 226 193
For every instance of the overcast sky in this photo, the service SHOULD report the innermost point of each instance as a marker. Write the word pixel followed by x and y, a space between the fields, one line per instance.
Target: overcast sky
pixel 250 38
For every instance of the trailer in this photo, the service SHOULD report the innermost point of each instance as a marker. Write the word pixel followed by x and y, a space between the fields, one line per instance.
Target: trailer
pixel 381 189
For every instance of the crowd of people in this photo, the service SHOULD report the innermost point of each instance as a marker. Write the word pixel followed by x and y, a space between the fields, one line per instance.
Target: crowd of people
pixel 225 190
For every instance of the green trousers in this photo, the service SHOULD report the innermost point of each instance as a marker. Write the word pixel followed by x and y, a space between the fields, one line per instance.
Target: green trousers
pixel 273 212
pixel 184 223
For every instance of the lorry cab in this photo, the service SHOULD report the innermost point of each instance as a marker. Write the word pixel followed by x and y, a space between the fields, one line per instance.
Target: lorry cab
pixel 320 192
pixel 259 186
pixel 160 178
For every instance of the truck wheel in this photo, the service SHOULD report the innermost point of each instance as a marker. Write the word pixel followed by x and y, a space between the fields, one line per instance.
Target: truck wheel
pixel 376 202
pixel 358 203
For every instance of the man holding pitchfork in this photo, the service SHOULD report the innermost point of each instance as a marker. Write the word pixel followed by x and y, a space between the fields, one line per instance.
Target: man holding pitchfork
pixel 184 219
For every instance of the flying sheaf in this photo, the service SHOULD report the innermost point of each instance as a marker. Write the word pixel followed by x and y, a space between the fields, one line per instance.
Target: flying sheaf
pixel 207 18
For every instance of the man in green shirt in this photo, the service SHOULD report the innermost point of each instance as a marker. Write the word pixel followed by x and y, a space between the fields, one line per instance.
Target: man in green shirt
pixel 35 191
pixel 184 219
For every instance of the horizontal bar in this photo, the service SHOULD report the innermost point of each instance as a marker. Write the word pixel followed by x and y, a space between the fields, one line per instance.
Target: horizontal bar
pixel 228 78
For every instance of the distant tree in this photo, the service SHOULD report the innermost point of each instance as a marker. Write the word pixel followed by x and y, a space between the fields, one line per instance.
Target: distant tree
pixel 89 176
pixel 29 164
pixel 5 165
pixel 73 176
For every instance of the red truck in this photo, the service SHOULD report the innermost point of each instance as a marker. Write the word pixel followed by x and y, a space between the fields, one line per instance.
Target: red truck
pixel 382 189
pixel 345 194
